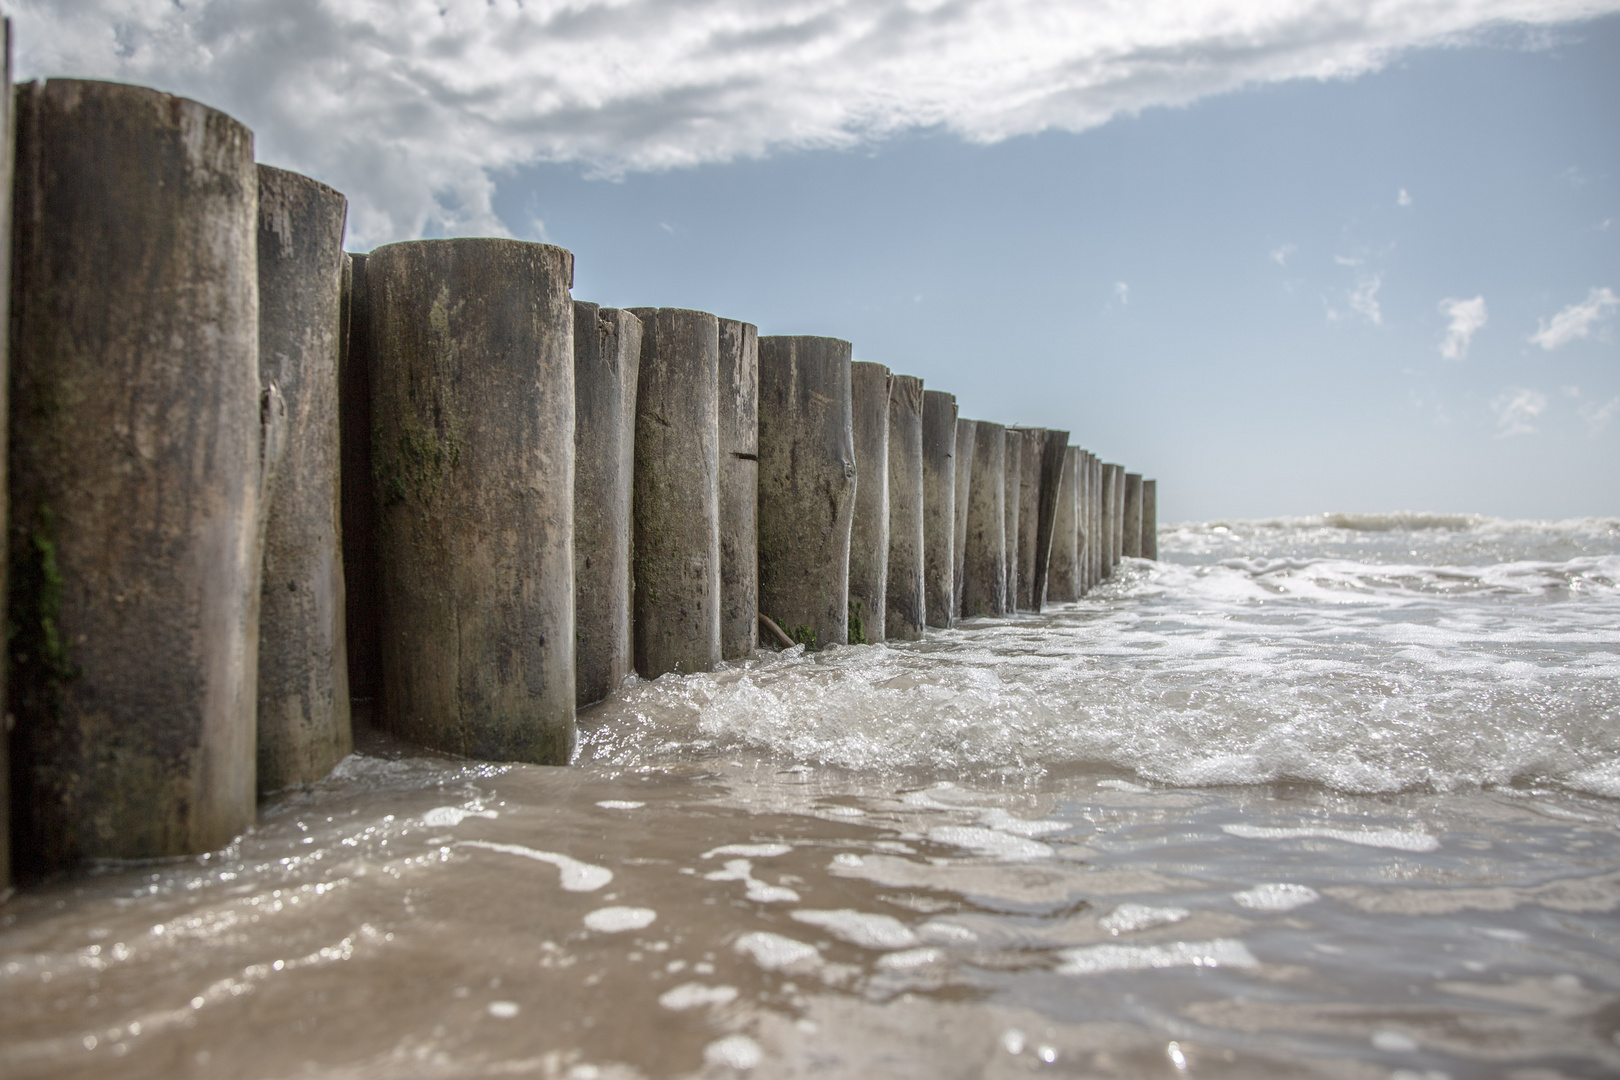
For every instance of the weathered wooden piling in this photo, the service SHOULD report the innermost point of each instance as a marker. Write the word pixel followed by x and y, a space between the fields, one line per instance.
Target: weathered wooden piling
pixel 138 454
pixel 939 506
pixel 870 385
pixel 1110 528
pixel 1119 514
pixel 676 526
pixel 964 482
pixel 1012 495
pixel 1131 519
pixel 1150 519
pixel 607 364
pixel 1031 443
pixel 1082 494
pixel 739 489
pixel 904 613
pixel 303 681
pixel 1063 570
pixel 1052 461
pixel 1099 545
pixel 6 146
pixel 472 397
pixel 984 574
pixel 362 580
pixel 806 486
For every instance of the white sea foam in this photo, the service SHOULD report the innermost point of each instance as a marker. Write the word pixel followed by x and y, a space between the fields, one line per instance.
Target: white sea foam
pixel 989 842
pixel 758 891
pixel 908 959
pixel 1397 839
pixel 616 920
pixel 946 932
pixel 749 851
pixel 1366 653
pixel 774 952
pixel 446 817
pixel 1277 897
pixel 620 804
pixel 1099 959
pixel 696 996
pixel 576 876
pixel 861 928
pixel 1131 917
pixel 734 1051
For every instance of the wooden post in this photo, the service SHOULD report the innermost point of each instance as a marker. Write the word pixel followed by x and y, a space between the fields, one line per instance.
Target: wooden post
pixel 472 396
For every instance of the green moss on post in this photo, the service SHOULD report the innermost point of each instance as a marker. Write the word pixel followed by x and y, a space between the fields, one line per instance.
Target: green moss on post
pixel 137 469
pixel 472 399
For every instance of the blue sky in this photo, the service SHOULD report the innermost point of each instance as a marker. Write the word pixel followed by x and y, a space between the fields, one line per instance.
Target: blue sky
pixel 1395 288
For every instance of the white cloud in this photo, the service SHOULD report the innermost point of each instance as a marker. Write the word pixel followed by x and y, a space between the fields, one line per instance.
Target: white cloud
pixel 1280 254
pixel 1598 415
pixel 1402 199
pixel 1364 299
pixel 1576 321
pixel 413 107
pixel 1516 408
pixel 1467 316
pixel 1122 294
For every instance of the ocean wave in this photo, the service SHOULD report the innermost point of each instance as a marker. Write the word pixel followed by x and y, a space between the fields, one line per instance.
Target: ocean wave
pixel 1283 650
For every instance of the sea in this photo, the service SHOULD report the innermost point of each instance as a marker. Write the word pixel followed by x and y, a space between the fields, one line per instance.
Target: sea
pixel 1329 796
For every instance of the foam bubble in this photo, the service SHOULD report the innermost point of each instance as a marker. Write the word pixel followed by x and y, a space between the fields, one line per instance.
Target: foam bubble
pixel 503 1010
pixel 620 804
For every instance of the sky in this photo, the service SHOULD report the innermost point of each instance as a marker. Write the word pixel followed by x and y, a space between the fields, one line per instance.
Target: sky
pixel 1286 256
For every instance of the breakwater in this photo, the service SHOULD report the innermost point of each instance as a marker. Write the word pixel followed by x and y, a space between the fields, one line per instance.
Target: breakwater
pixel 257 484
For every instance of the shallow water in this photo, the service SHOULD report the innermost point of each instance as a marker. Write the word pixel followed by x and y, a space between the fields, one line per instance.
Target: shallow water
pixel 1325 796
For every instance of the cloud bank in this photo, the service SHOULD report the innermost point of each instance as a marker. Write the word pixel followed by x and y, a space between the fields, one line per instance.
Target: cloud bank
pixel 412 107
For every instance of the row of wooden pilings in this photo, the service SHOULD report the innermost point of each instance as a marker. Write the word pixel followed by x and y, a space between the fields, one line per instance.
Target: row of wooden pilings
pixel 255 481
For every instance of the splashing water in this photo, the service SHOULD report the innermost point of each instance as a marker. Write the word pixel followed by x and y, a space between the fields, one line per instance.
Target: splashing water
pixel 1308 797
